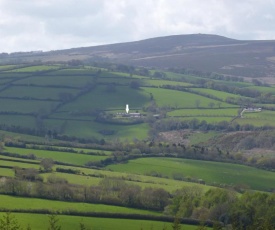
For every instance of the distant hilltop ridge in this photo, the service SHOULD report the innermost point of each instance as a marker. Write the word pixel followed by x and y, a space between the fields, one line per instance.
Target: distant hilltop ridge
pixel 202 52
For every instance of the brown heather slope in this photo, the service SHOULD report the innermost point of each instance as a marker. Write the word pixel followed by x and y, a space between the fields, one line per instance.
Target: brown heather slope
pixel 207 53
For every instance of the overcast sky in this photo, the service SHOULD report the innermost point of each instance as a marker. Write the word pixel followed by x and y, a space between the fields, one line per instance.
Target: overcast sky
pixel 27 25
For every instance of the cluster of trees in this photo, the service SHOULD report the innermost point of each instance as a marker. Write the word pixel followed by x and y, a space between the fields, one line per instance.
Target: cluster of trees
pixel 251 210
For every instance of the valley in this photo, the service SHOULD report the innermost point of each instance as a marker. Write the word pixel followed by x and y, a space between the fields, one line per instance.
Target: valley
pixel 70 150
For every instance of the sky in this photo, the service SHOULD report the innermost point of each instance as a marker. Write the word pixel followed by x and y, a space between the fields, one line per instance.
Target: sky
pixel 29 25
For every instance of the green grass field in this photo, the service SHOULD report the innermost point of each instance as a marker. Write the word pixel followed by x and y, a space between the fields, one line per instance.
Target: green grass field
pixel 21 159
pixel 25 106
pixel 263 89
pixel 118 80
pixel 262 118
pixel 36 68
pixel 263 115
pixel 208 119
pixel 5 80
pixel 6 172
pixel 91 129
pixel 72 81
pixel 177 99
pixel 74 71
pixel 220 94
pixel 91 177
pixel 37 92
pixel 13 75
pixel 100 99
pixel 17 203
pixel 255 122
pixel 79 150
pixel 234 83
pixel 211 172
pixel 65 157
pixel 157 82
pixel 24 137
pixel 204 112
pixel 18 164
pixel 40 222
pixel 18 120
pixel 3 67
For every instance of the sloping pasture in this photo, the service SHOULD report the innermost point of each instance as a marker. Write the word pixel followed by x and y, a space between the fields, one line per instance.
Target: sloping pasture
pixel 89 129
pixel 17 203
pixel 18 120
pixel 211 172
pixel 261 118
pixel 25 106
pixel 65 157
pixel 36 68
pixel 178 99
pixel 216 93
pixel 157 82
pixel 39 222
pixel 37 92
pixel 204 112
pixel 57 80
pixel 100 98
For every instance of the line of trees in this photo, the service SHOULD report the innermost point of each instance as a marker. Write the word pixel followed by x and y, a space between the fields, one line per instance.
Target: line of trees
pixel 109 191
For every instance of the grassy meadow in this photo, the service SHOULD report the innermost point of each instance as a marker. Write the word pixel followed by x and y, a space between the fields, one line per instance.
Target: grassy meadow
pixel 36 68
pixel 59 80
pixel 220 94
pixel 100 98
pixel 18 120
pixel 37 92
pixel 39 222
pixel 177 99
pixel 210 172
pixel 25 106
pixel 65 157
pixel 204 112
pixel 19 203
pixel 91 129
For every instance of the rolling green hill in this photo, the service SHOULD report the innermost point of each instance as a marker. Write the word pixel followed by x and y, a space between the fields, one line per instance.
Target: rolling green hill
pixel 84 101
pixel 105 160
